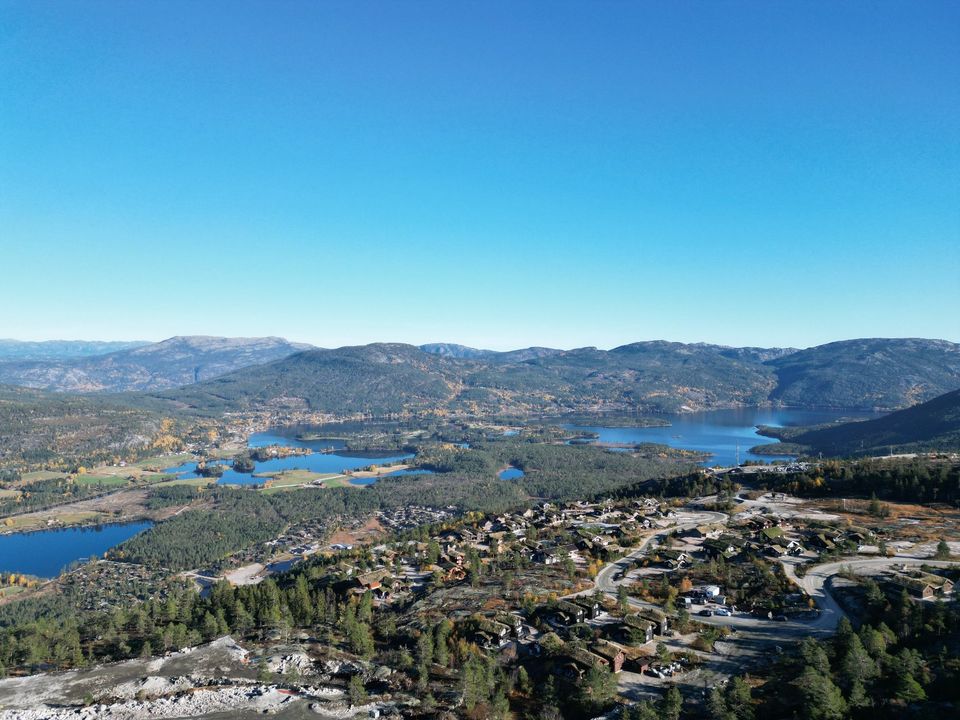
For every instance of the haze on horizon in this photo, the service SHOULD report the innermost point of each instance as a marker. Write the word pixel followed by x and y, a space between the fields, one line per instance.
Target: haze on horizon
pixel 739 173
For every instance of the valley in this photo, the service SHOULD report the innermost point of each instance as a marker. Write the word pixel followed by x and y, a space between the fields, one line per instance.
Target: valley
pixel 346 533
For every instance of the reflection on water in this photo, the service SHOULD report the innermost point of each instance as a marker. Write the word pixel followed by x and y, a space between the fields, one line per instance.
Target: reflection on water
pixel 722 433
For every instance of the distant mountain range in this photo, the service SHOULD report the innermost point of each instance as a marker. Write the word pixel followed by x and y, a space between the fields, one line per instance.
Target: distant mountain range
pixel 653 376
pixel 933 425
pixel 885 374
pixel 168 364
pixel 462 352
pixel 38 427
pixel 60 349
pixel 213 374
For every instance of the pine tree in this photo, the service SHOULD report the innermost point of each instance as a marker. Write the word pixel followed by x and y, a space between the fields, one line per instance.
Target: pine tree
pixel 672 704
pixel 356 692
pixel 822 700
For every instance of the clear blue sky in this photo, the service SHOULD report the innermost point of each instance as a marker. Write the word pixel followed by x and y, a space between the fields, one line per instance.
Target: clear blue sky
pixel 499 174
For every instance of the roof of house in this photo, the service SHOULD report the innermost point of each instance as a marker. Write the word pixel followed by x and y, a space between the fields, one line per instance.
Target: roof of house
pixel 606 650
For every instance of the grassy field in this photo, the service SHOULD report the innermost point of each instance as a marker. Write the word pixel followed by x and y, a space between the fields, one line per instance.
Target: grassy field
pixel 154 478
pixel 196 482
pixel 106 480
pixel 41 475
pixel 163 461
pixel 8 493
pixel 39 522
pixel 288 479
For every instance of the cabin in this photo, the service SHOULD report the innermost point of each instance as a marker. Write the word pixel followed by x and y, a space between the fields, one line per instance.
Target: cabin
pixel 514 622
pixel 576 613
pixel 918 588
pixel 941 585
pixel 586 659
pixel 644 625
pixel 822 542
pixel 673 559
pixel 371 580
pixel 611 653
pixel 660 622
pixel 545 558
pixel 590 606
pixel 718 548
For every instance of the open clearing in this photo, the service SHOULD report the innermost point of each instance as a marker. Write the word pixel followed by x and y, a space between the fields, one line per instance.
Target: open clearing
pixel 40 475
pixel 101 480
pixel 53 519
pixel 291 479
pixel 196 482
pixel 378 471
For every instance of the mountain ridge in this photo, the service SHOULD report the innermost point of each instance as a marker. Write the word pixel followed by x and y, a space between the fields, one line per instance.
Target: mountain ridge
pixel 931 425
pixel 176 361
pixel 653 376
pixel 32 350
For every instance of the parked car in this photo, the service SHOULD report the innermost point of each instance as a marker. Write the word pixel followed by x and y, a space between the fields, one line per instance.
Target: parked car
pixel 722 611
pixel 706 613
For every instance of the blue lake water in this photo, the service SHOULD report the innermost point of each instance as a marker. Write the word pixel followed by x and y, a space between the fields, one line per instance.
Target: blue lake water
pixel 510 473
pixel 319 462
pixel 46 553
pixel 414 471
pixel 719 432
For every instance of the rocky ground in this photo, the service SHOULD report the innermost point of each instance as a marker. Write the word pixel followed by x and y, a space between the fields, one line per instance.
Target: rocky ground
pixel 214 681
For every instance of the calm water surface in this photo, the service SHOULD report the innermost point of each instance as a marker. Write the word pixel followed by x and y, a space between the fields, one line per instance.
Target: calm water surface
pixel 719 432
pixel 327 463
pixel 46 553
pixel 510 473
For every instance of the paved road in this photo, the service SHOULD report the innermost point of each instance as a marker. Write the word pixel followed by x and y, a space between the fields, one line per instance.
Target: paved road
pixel 753 637
pixel 814 582
pixel 605 581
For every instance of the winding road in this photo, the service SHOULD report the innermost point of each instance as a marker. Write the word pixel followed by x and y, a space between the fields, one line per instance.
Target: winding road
pixel 753 638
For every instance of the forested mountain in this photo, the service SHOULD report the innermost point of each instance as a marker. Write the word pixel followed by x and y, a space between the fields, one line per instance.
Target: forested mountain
pixel 452 350
pixel 646 377
pixel 933 425
pixel 881 373
pixel 380 378
pixel 390 378
pixel 171 363
pixel 462 352
pixel 59 429
pixel 61 349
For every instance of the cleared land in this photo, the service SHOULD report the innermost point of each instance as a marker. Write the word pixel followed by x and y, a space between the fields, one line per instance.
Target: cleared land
pixel 290 479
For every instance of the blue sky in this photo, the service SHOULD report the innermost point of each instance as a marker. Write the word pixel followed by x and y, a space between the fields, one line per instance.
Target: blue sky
pixel 498 174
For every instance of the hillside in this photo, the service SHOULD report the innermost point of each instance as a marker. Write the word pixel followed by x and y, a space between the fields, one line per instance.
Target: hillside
pixel 382 378
pixel 38 427
pixel 60 349
pixel 462 352
pixel 158 366
pixel 650 377
pixel 933 425
pixel 452 350
pixel 653 376
pixel 379 379
pixel 870 373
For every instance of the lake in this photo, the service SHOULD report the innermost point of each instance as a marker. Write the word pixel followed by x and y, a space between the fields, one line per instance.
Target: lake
pixel 45 553
pixel 327 463
pixel 719 432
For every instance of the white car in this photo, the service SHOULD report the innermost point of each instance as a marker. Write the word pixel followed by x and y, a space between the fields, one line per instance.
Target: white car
pixel 722 611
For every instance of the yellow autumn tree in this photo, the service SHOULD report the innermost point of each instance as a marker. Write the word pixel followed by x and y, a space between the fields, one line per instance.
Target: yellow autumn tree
pixel 166 441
